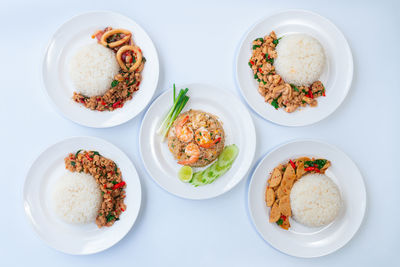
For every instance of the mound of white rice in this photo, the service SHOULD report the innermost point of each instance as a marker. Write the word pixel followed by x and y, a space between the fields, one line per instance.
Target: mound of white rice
pixel 77 198
pixel 315 200
pixel 92 69
pixel 300 60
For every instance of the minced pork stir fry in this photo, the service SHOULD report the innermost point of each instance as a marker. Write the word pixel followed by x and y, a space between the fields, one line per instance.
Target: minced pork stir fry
pixel 125 83
pixel 109 178
pixel 271 86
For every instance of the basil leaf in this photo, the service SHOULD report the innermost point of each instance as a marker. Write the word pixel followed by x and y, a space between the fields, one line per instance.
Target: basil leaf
pixel 114 83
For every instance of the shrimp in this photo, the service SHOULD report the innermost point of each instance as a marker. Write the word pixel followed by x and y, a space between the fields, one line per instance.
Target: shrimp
pixel 204 138
pixel 193 151
pixel 183 132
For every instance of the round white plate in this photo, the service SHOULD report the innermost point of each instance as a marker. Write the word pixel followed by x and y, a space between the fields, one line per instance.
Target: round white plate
pixel 77 238
pixel 239 130
pixel 76 33
pixel 299 240
pixel 336 77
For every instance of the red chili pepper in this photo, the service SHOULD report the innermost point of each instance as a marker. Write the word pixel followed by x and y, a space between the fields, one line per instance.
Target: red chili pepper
pixel 87 156
pixel 138 84
pixel 82 100
pixel 251 62
pixel 116 104
pixel 260 70
pixel 323 92
pixel 310 94
pixel 103 103
pixel 119 185
pixel 292 163
pixel 122 209
pixel 283 217
pixel 105 186
pixel 309 169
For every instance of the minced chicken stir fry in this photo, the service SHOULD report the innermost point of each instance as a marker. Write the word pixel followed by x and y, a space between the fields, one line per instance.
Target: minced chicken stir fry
pixel 127 81
pixel 109 178
pixel 271 86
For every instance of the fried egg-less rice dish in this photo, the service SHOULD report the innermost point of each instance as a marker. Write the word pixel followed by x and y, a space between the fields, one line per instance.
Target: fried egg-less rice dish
pixel 196 138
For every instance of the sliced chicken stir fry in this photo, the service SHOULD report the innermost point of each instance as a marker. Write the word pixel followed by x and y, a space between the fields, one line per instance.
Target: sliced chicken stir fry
pixel 280 183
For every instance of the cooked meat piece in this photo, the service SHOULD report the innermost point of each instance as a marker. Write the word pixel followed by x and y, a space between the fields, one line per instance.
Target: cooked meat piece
pixel 284 205
pixel 269 196
pixel 275 213
pixel 275 179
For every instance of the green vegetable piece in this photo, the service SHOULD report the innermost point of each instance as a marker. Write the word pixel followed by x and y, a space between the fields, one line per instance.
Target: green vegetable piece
pixel 275 104
pixel 255 46
pixel 255 76
pixel 114 83
pixel 218 168
pixel 77 152
pixel 110 218
pixel 295 88
pixel 73 163
pixel 279 222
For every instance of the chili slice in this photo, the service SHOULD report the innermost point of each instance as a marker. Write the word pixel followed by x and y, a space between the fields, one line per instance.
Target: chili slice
pixel 292 163
pixel 119 185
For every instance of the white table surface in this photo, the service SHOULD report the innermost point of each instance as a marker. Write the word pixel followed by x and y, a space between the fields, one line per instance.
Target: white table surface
pixel 197 42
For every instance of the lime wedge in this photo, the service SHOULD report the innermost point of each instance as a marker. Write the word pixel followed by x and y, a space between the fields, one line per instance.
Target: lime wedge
pixel 185 174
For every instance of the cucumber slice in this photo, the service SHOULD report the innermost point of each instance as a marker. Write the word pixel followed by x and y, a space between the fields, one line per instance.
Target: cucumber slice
pixel 185 174
pixel 227 157
pixel 197 179
pixel 218 168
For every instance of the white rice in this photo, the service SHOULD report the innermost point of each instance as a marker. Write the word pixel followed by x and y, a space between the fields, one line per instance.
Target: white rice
pixel 315 200
pixel 77 198
pixel 300 60
pixel 92 69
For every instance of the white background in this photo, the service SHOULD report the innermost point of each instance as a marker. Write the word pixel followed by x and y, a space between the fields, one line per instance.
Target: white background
pixel 197 42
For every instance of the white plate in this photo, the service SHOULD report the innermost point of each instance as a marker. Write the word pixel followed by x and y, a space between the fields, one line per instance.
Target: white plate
pixel 68 238
pixel 299 240
pixel 239 130
pixel 76 33
pixel 336 77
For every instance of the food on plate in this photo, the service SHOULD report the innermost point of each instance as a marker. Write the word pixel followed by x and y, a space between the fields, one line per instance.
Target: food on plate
pixel 287 70
pixel 108 178
pixel 218 168
pixel 106 74
pixel 76 198
pixel 92 70
pixel 196 138
pixel 300 60
pixel 185 174
pixel 280 185
pixel 315 200
pixel 178 104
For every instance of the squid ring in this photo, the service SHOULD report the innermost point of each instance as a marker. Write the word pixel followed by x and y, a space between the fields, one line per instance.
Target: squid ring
pixel 107 34
pixel 137 54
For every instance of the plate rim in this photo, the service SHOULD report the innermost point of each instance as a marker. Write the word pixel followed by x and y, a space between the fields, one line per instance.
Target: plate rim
pixel 262 19
pixel 184 85
pixel 258 165
pixel 45 56
pixel 24 190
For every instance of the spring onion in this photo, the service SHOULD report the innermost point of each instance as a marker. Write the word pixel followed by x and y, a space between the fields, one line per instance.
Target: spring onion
pixel 179 103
